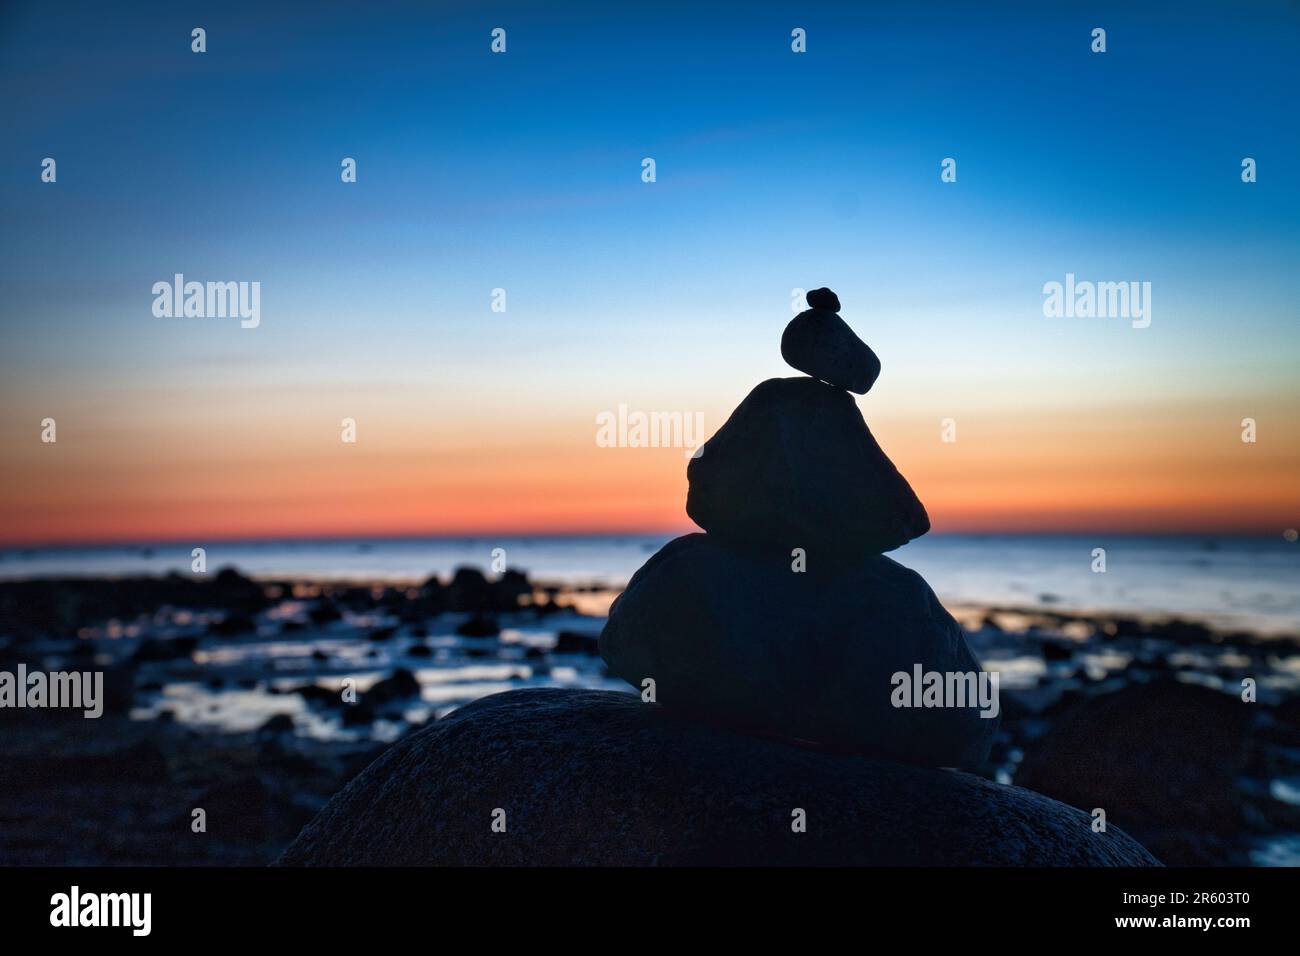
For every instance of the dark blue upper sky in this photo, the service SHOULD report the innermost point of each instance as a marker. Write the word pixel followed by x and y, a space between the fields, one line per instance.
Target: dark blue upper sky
pixel 522 170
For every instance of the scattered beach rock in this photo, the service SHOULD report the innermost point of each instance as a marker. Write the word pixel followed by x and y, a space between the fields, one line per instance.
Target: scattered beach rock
pixel 59 606
pixel 358 714
pixel 821 344
pixel 325 612
pixel 469 590
pixel 1162 759
pixel 277 725
pixel 599 778
pixel 480 625
pixel 316 694
pixel 741 639
pixel 232 625
pixel 160 649
pixel 401 684
pixel 1056 651
pixel 433 595
pixel 795 466
pixel 571 642
pixel 509 589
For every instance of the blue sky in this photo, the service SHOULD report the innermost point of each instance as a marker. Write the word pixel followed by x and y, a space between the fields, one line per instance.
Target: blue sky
pixel 775 170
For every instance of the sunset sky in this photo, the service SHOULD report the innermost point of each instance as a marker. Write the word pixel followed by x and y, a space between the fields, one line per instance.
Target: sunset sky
pixel 523 171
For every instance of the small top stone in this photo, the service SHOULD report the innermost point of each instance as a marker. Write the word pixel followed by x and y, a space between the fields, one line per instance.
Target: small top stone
pixel 823 299
pixel 819 343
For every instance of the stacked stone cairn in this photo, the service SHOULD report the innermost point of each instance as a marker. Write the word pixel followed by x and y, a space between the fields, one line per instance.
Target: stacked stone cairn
pixel 785 619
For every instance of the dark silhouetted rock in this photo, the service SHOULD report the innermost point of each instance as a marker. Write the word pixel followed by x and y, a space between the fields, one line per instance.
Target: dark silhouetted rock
pixel 572 642
pixel 57 607
pixel 480 625
pixel 1056 651
pixel 236 592
pixel 1181 632
pixel 1162 759
pixel 325 612
pixel 741 639
pixel 119 689
pixel 795 466
pixel 509 589
pixel 160 649
pixel 316 694
pixel 401 684
pixel 469 590
pixel 432 599
pixel 821 344
pixel 599 778
pixel 277 725
pixel 232 625
pixel 823 298
pixel 359 714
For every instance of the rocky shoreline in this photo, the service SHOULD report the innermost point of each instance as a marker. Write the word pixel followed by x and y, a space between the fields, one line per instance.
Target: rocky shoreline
pixel 118 790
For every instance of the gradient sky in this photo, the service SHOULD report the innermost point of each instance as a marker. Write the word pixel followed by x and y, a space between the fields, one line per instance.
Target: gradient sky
pixel 522 171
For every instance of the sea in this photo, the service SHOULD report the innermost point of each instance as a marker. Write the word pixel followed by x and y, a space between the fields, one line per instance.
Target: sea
pixel 1245 583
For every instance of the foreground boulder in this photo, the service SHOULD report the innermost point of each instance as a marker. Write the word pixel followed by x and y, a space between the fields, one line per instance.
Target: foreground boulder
pixel 600 778
pixel 1177 787
pixel 742 639
pixel 795 466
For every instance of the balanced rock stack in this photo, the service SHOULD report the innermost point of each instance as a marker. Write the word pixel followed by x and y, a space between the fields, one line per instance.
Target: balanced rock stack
pixel 749 655
pixel 785 618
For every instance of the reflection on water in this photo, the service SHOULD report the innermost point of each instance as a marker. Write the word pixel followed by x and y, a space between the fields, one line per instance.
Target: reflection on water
pixel 238 685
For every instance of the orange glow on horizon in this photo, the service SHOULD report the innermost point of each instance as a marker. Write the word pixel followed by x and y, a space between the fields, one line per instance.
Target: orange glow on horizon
pixel 1156 472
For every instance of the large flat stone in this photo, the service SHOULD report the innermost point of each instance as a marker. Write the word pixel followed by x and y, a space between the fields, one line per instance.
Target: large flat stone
pixel 599 778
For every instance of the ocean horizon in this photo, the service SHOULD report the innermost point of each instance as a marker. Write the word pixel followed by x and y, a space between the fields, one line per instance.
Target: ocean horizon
pixel 1229 581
